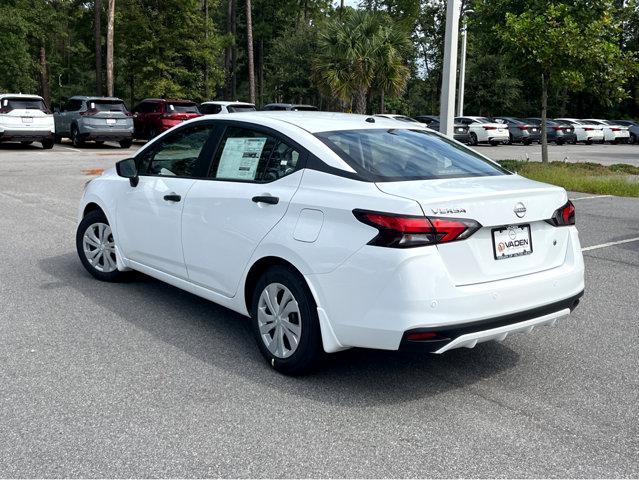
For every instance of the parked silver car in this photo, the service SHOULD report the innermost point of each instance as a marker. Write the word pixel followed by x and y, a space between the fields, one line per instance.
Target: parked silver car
pixel 94 118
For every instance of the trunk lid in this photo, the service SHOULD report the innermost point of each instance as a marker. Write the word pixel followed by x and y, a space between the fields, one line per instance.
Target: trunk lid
pixel 491 201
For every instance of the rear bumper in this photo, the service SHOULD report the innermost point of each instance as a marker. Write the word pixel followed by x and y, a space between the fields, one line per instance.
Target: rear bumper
pixel 372 300
pixel 469 335
pixel 462 137
pixel 106 134
pixel 25 135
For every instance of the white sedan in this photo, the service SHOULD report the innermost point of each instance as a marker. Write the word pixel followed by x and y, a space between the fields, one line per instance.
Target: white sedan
pixel 334 231
pixel 613 132
pixel 586 132
pixel 484 130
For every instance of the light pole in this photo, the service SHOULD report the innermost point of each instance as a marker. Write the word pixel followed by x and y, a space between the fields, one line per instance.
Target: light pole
pixel 447 101
pixel 462 64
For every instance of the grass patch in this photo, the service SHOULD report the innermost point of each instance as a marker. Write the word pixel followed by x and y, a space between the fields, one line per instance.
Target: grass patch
pixel 619 179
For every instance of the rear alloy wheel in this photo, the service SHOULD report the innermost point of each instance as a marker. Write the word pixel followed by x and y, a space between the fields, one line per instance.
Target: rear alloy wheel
pixel 47 144
pixel 285 322
pixel 96 247
pixel 126 143
pixel 75 137
pixel 473 139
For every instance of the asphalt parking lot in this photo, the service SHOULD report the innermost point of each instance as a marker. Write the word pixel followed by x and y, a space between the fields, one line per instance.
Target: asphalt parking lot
pixel 144 380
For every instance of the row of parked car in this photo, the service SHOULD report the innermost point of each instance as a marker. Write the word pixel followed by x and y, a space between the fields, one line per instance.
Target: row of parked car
pixel 511 130
pixel 26 118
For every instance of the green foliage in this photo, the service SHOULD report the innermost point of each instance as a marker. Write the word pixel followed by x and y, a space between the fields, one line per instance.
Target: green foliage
pixel 360 51
pixel 581 177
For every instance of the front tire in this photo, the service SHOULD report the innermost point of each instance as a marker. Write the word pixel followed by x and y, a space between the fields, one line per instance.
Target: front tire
pixel 285 322
pixel 96 247
pixel 47 144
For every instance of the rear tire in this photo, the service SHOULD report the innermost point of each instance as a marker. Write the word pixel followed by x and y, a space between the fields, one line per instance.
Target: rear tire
pixel 559 142
pixel 472 141
pixel 75 137
pixel 527 142
pixel 510 139
pixel 96 247
pixel 26 142
pixel 285 322
pixel 99 142
pixel 126 143
pixel 588 142
pixel 495 144
pixel 47 144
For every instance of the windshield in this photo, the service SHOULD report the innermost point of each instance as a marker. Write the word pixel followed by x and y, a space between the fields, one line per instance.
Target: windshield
pixel 182 108
pixel 107 106
pixel 240 108
pixel 402 154
pixel 9 104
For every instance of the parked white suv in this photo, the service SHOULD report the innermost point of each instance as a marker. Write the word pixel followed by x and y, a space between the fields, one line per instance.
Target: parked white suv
pixel 334 231
pixel 218 106
pixel 484 130
pixel 26 119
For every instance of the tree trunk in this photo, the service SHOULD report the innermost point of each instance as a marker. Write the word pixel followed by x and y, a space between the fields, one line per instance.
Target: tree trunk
pixel 206 62
pixel 109 42
pixel 360 101
pixel 382 106
pixel 44 76
pixel 544 115
pixel 227 53
pixel 97 35
pixel 249 51
pixel 234 50
pixel 260 72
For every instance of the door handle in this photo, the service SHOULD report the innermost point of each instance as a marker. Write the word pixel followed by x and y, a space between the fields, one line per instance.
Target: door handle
pixel 172 197
pixel 266 199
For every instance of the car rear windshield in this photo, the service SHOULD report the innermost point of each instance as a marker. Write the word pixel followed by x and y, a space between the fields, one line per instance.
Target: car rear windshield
pixel 8 104
pixel 401 154
pixel 240 108
pixel 107 105
pixel 182 108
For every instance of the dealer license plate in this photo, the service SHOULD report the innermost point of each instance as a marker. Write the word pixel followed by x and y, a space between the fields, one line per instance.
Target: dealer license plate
pixel 111 121
pixel 27 119
pixel 512 241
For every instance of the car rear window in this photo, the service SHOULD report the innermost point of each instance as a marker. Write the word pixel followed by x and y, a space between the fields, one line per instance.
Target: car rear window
pixel 107 106
pixel 8 104
pixel 240 108
pixel 182 108
pixel 402 154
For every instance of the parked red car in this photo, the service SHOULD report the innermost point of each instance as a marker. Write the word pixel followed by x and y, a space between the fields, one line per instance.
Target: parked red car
pixel 153 116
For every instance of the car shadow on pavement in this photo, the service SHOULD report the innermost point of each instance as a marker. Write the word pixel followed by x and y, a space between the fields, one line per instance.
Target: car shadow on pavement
pixel 223 339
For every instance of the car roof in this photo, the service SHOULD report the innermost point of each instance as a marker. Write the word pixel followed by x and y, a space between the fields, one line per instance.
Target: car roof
pixel 288 105
pixel 314 122
pixel 225 103
pixel 85 97
pixel 167 100
pixel 19 95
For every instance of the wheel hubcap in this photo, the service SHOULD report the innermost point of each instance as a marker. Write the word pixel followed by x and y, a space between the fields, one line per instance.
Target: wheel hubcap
pixel 279 320
pixel 99 247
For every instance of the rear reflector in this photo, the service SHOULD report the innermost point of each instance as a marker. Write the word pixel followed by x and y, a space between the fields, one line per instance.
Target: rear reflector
pixel 404 231
pixel 421 336
pixel 563 216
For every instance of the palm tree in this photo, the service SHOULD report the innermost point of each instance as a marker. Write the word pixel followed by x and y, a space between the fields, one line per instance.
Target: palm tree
pixel 359 52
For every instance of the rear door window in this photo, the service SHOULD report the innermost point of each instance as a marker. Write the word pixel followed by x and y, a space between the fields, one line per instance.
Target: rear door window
pixel 253 156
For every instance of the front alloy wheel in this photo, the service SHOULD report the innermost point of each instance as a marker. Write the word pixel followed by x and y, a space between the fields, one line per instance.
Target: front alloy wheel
pixel 96 247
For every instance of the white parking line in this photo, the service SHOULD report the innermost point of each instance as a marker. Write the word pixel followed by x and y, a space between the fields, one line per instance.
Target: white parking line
pixel 594 196
pixel 72 149
pixel 610 244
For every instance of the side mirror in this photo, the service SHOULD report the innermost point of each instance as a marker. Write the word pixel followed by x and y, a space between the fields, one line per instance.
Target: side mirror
pixel 127 169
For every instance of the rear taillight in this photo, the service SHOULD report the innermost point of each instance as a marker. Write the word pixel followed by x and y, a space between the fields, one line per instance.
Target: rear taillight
pixel 89 112
pixel 616 129
pixel 488 127
pixel 5 109
pixel 402 231
pixel 563 216
pixel 523 127
pixel 557 129
pixel 588 129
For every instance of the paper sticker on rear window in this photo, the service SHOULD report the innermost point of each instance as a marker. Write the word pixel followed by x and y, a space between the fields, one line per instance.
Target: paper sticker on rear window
pixel 240 157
